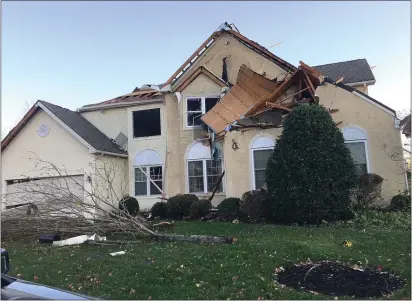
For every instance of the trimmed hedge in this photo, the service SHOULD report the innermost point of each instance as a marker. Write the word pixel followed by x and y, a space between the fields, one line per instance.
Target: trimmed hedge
pixel 159 209
pixel 130 205
pixel 310 173
pixel 178 206
pixel 400 202
pixel 230 206
pixel 253 206
pixel 200 208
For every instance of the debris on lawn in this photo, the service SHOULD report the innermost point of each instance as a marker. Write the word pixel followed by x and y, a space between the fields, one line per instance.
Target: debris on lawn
pixel 49 238
pixel 77 240
pixel 347 243
pixel 338 279
pixel 118 253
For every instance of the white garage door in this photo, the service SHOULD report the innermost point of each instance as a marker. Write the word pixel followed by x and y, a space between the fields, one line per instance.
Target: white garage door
pixel 44 191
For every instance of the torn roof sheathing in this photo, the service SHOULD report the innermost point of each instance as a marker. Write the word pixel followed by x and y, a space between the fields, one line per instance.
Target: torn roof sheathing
pixel 249 87
pixel 254 94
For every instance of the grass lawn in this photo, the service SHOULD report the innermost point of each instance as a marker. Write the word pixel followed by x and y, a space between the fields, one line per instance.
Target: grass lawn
pixel 178 270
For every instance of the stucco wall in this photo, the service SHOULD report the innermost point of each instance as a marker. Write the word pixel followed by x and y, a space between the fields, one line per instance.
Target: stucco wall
pixel 110 179
pixel 135 145
pixel 238 162
pixel 238 54
pixel 383 137
pixel 58 147
pixel 111 122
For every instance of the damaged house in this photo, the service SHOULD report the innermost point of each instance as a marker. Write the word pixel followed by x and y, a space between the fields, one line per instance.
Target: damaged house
pixel 222 110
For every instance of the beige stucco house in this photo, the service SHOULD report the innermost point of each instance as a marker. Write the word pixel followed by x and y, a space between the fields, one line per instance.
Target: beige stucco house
pixel 156 130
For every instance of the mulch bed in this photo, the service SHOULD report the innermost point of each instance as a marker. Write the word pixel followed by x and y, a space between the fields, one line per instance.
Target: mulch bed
pixel 338 279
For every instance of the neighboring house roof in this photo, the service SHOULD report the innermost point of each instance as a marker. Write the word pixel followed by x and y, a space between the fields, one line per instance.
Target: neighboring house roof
pixel 405 126
pixel 201 70
pixel 362 95
pixel 353 72
pixel 80 127
pixel 209 41
pixel 136 97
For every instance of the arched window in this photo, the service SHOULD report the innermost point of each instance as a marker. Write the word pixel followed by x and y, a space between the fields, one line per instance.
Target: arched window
pixel 148 163
pixel 261 148
pixel 356 141
pixel 202 171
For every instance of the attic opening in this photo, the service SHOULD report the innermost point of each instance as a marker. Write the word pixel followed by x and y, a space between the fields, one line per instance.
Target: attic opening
pixel 146 123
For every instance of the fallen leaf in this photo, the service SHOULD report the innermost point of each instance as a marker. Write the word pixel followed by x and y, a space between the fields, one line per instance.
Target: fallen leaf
pixel 197 285
pixel 132 291
pixel 36 278
pixel 150 298
pixel 110 274
pixel 20 275
pixel 315 293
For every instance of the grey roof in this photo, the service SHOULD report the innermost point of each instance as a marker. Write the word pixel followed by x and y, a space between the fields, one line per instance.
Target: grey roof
pixel 352 71
pixel 84 129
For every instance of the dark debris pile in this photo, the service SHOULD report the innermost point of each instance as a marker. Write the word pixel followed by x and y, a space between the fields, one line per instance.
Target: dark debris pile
pixel 338 279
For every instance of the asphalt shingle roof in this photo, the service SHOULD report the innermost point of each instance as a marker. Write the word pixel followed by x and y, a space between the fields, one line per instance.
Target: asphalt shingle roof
pixel 84 129
pixel 352 71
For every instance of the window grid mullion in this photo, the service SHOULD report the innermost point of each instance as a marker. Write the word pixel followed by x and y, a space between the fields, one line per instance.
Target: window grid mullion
pixel 147 169
pixel 204 176
pixel 203 101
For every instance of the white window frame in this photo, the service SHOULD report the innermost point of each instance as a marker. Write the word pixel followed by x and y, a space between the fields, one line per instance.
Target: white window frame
pixel 203 107
pixel 147 171
pixel 204 176
pixel 365 145
pixel 356 134
pixel 259 142
pixel 253 163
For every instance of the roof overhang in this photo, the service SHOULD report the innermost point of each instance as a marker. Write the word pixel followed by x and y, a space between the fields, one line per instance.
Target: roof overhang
pixel 357 84
pixel 119 105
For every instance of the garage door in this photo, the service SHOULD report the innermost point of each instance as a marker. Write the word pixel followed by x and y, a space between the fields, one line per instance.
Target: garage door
pixel 44 191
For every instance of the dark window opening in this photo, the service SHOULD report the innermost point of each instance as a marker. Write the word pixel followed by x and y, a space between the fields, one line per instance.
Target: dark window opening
pixel 146 123
pixel 210 103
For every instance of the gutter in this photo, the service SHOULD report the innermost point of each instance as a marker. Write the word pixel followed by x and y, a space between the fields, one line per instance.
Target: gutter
pixel 368 82
pixel 120 105
pixel 109 153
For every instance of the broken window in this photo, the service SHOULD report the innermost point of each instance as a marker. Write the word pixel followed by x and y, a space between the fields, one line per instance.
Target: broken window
pixel 143 186
pixel 196 107
pixel 358 153
pixel 203 175
pixel 146 123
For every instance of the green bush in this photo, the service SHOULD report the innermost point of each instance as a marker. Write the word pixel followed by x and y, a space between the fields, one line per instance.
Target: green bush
pixel 310 173
pixel 400 202
pixel 368 190
pixel 178 206
pixel 375 219
pixel 253 206
pixel 230 207
pixel 200 208
pixel 159 210
pixel 130 205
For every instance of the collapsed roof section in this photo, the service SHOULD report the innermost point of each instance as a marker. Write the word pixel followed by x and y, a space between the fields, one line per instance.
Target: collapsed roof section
pixel 258 101
pixel 138 96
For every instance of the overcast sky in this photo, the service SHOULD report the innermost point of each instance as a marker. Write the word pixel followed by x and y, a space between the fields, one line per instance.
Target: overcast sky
pixel 76 53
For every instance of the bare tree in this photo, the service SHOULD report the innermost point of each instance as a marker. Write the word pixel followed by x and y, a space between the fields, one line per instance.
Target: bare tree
pixel 56 201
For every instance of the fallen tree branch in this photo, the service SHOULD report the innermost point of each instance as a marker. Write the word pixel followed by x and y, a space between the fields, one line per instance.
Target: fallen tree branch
pixel 217 186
